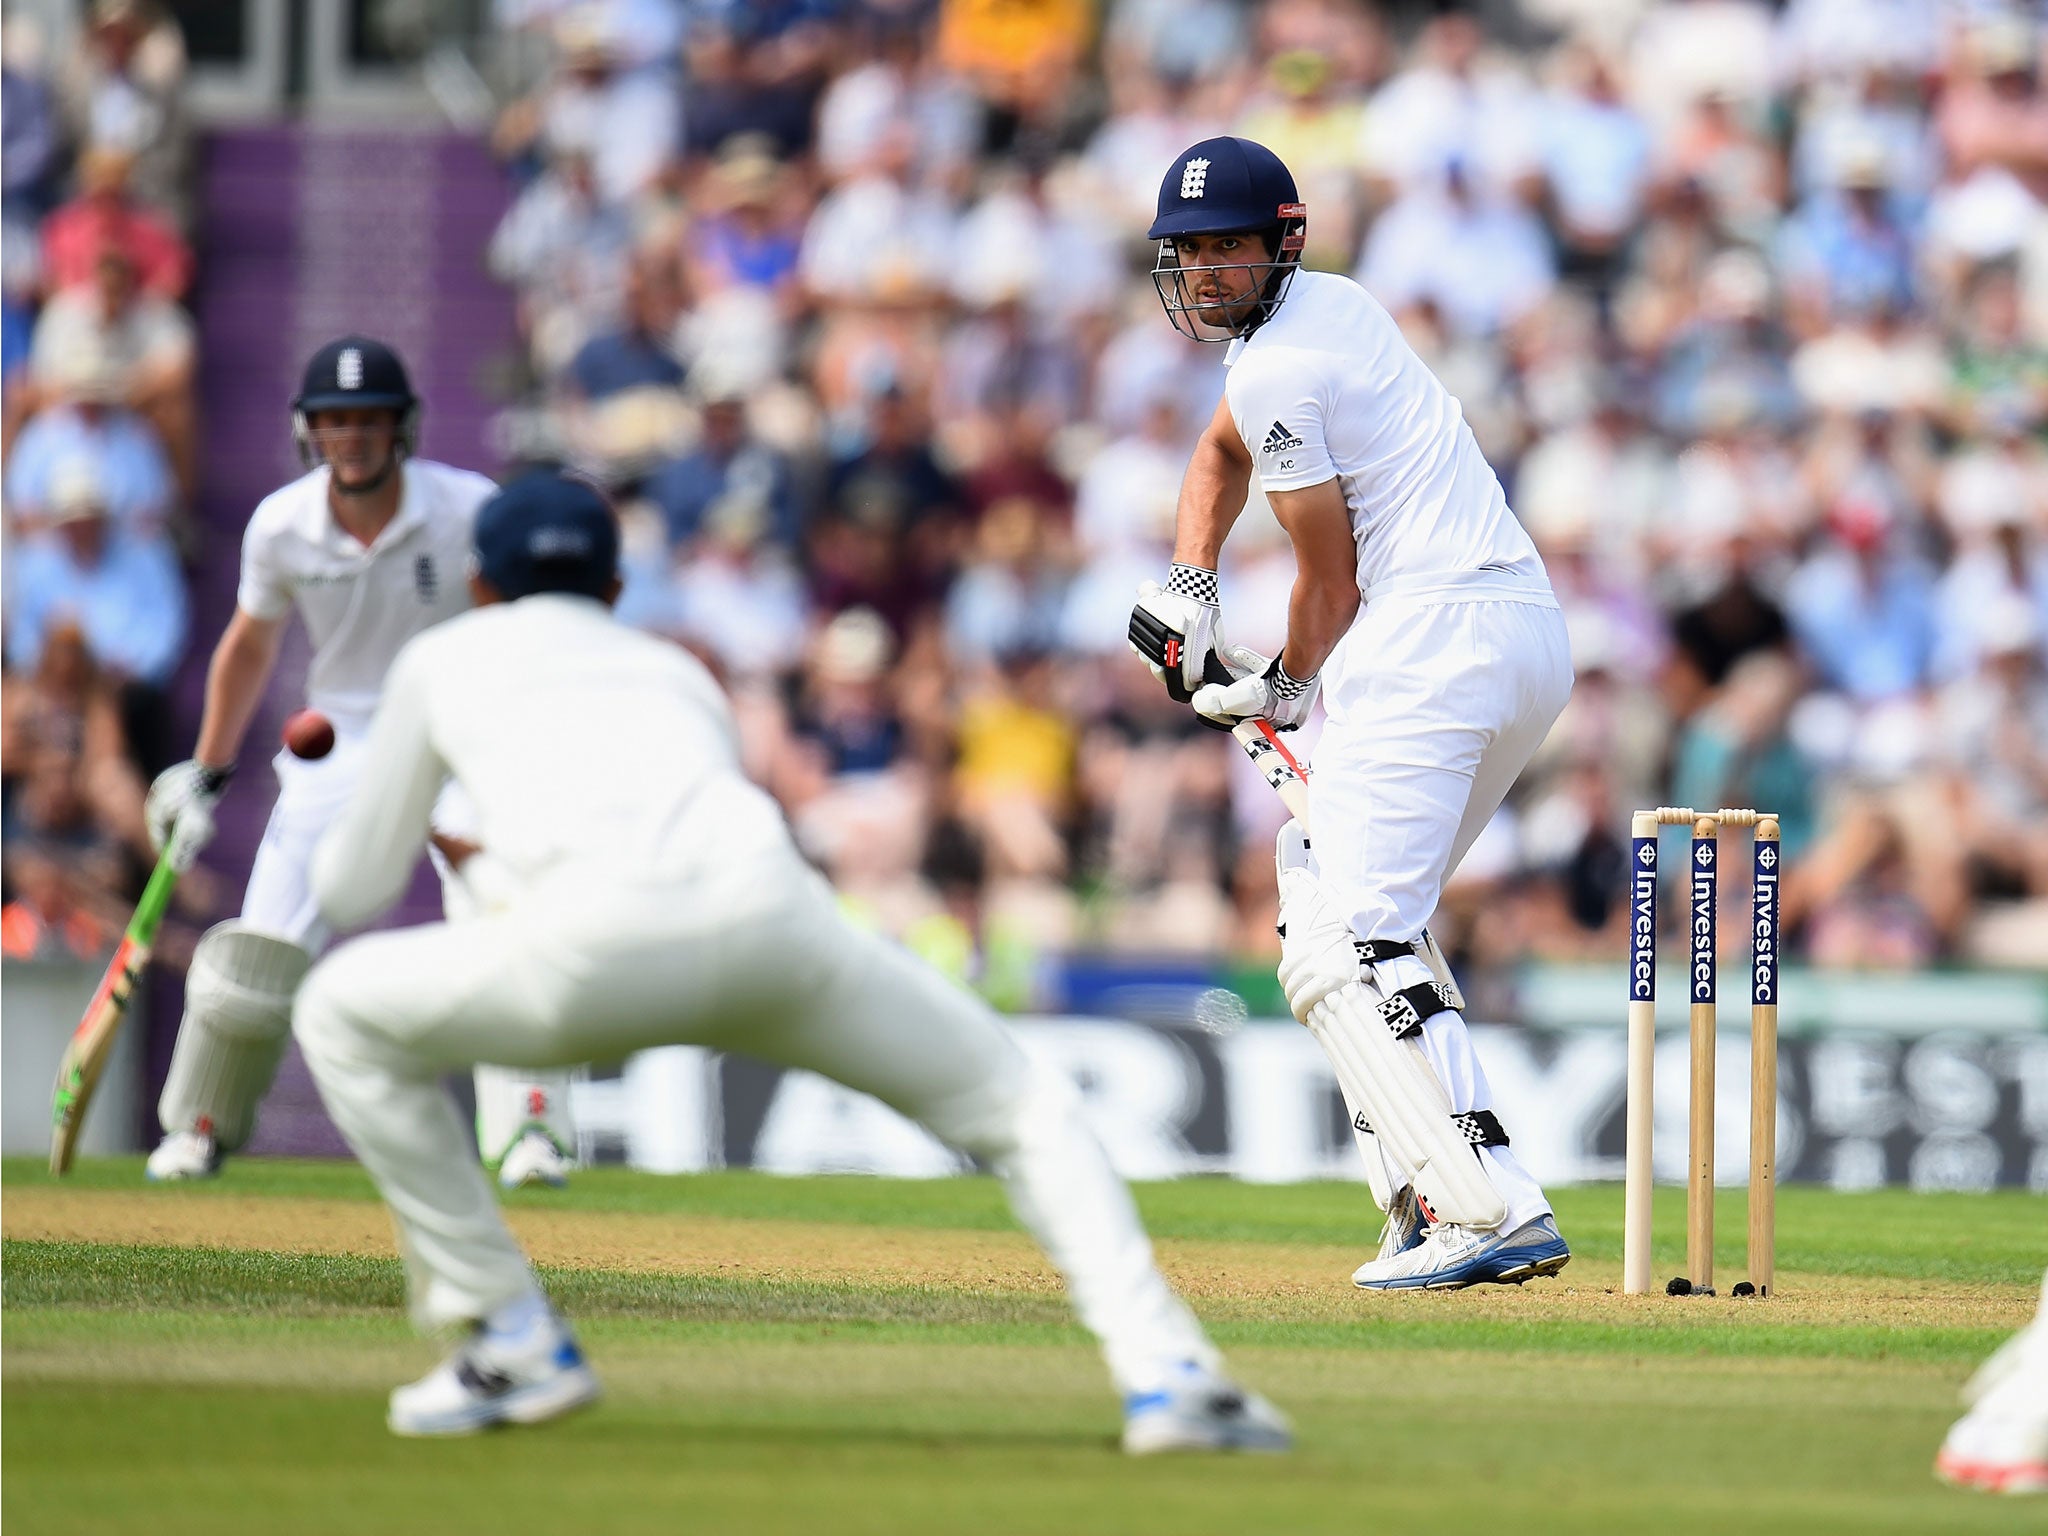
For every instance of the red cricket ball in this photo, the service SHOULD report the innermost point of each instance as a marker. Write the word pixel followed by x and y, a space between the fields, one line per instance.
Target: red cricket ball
pixel 309 734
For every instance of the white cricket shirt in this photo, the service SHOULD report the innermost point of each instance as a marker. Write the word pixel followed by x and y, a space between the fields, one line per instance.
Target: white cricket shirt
pixel 1329 388
pixel 361 604
pixel 577 739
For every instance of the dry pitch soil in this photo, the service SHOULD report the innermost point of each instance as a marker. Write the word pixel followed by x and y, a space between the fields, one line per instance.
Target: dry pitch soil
pixel 1299 1281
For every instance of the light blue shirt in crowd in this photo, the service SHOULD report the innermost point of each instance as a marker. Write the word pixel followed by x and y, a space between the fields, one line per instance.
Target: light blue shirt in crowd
pixel 1872 639
pixel 135 476
pixel 1598 157
pixel 132 605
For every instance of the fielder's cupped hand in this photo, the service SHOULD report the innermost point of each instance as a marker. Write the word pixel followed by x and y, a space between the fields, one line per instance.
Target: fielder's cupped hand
pixel 1174 628
pixel 1264 689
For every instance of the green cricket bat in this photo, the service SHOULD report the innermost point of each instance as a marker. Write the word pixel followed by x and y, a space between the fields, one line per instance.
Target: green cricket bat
pixel 93 1041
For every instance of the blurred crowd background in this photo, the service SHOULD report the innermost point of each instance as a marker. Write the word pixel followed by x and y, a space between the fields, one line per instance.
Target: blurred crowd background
pixel 99 436
pixel 847 302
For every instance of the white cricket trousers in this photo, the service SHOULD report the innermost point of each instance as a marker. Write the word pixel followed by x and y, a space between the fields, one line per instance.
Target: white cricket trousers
pixel 310 798
pixel 1435 708
pixel 750 954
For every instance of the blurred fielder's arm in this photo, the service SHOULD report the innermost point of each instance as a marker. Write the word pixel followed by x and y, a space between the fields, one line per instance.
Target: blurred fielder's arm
pixel 366 860
pixel 1212 492
pixel 458 851
pixel 480 882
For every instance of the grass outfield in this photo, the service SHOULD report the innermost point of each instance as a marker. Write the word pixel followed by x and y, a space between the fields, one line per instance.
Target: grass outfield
pixel 853 1355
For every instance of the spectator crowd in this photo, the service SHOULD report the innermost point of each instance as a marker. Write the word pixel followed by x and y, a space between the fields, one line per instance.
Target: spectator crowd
pixel 847 301
pixel 1748 307
pixel 99 436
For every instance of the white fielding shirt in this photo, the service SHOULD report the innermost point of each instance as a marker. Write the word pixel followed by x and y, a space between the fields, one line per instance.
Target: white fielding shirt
pixel 577 739
pixel 361 604
pixel 1330 389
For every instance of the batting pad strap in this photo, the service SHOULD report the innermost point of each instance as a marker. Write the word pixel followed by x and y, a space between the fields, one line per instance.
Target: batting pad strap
pixel 1404 1011
pixel 1373 951
pixel 1481 1127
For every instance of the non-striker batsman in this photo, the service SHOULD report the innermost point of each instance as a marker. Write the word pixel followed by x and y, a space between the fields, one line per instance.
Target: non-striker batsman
pixel 1422 615
pixel 370 546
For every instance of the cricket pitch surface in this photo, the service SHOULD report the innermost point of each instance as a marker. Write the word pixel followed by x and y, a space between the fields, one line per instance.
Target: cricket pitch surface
pixel 856 1355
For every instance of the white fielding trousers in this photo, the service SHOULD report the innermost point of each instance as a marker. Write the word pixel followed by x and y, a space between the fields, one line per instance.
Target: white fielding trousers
pixel 279 901
pixel 749 954
pixel 1435 707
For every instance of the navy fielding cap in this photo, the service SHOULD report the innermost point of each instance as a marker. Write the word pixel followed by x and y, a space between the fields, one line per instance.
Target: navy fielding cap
pixel 547 533
pixel 1223 185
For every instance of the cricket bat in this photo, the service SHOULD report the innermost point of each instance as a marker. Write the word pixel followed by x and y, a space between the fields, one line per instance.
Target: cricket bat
pixel 93 1041
pixel 1287 773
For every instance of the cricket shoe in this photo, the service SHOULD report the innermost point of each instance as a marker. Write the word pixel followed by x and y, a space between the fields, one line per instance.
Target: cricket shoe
pixel 2001 1444
pixel 183 1155
pixel 1198 1410
pixel 533 1159
pixel 1452 1257
pixel 1405 1228
pixel 525 1373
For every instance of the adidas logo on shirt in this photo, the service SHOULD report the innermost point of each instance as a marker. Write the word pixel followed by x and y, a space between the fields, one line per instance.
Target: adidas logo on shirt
pixel 1279 440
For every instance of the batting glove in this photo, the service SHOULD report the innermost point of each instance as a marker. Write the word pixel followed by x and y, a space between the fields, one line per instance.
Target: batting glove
pixel 1266 690
pixel 179 808
pixel 1174 628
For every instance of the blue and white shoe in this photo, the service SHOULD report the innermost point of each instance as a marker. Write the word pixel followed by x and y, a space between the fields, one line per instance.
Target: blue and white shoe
pixel 528 1374
pixel 1405 1228
pixel 1452 1257
pixel 1197 1409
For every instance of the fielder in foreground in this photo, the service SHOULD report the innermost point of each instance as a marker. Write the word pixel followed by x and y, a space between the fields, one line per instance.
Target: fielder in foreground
pixel 2001 1444
pixel 1422 613
pixel 369 547
pixel 656 898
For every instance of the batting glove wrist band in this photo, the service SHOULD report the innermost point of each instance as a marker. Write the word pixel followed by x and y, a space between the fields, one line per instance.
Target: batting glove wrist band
pixel 213 780
pixel 1284 684
pixel 1191 581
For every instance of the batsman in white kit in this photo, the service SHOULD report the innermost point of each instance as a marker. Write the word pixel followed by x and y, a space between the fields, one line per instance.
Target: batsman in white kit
pixel 655 896
pixel 370 546
pixel 1422 614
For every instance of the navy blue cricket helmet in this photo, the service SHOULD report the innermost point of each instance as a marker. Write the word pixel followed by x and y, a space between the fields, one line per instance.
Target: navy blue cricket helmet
pixel 1228 186
pixel 355 373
